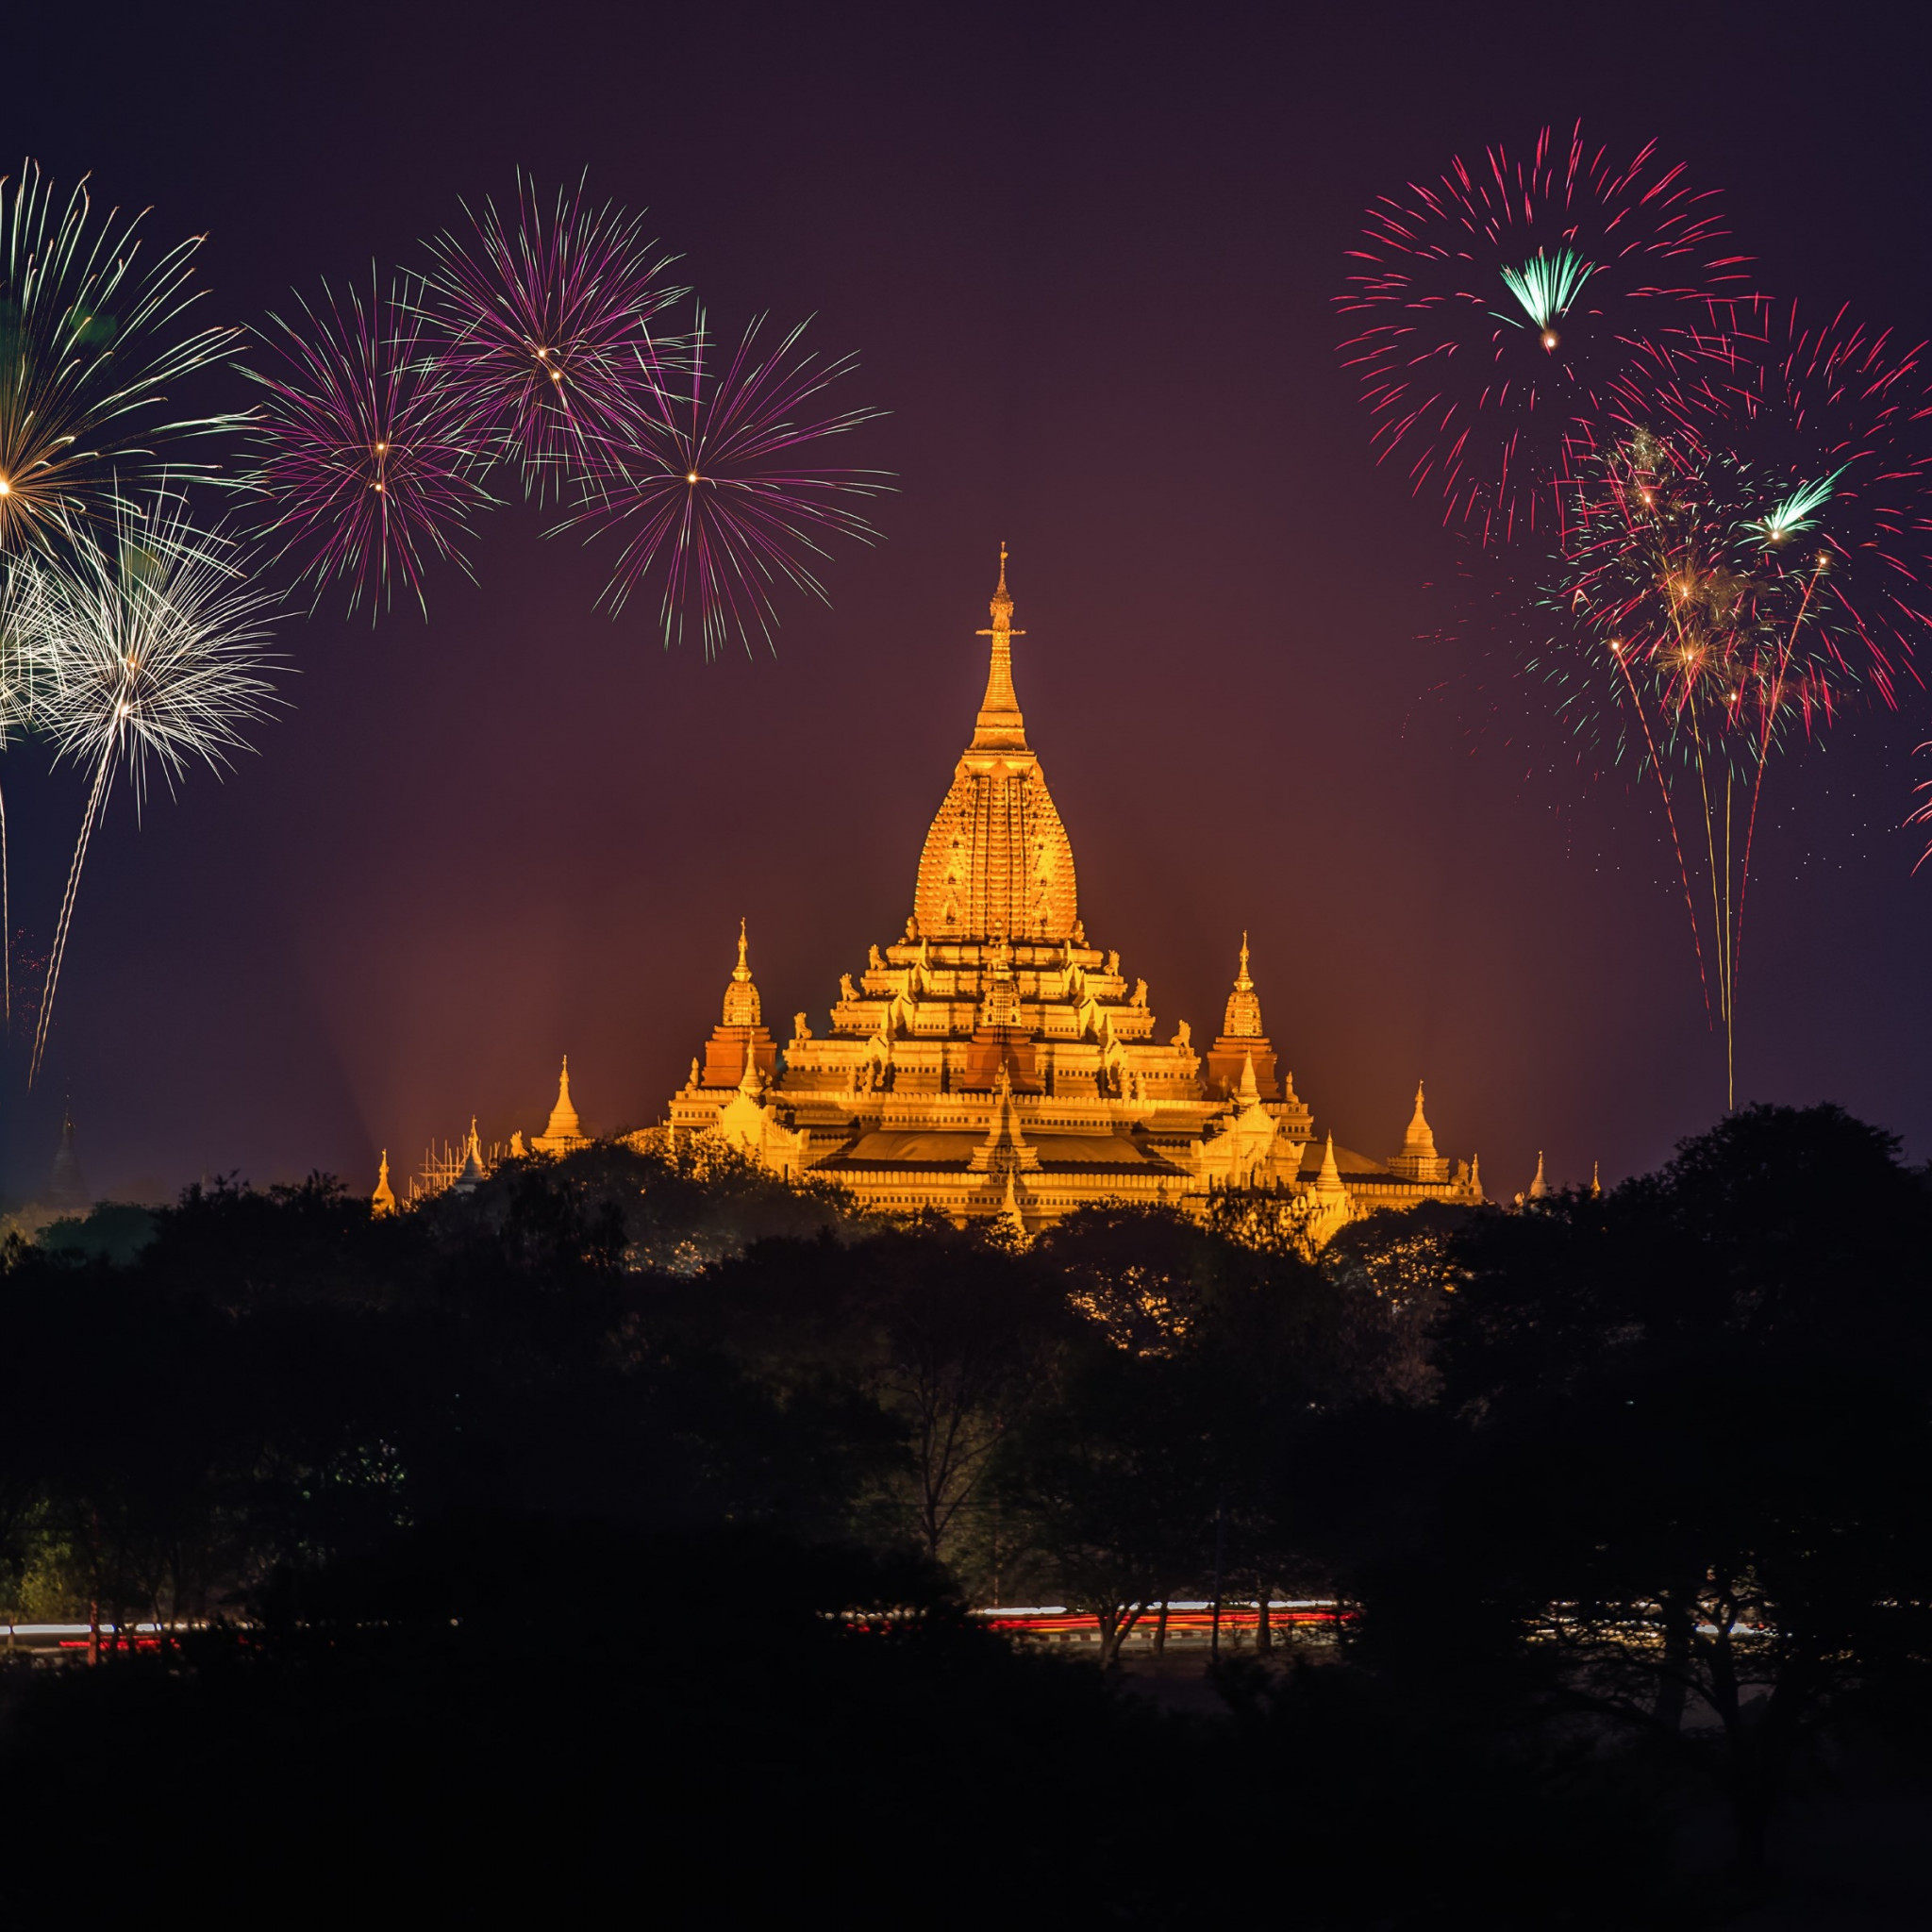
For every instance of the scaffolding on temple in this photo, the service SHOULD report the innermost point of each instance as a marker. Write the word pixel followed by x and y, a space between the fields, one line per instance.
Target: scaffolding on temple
pixel 463 1164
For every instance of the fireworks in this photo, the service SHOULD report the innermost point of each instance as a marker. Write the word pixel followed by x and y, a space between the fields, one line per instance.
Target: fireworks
pixel 1828 424
pixel 1733 503
pixel 1499 307
pixel 89 347
pixel 158 641
pixel 540 326
pixel 1709 601
pixel 368 462
pixel 714 495
pixel 1680 570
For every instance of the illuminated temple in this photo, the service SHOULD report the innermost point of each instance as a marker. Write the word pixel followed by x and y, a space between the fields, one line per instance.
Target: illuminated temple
pixel 991 1063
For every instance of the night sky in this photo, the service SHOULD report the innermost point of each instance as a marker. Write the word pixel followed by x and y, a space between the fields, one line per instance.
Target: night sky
pixel 1087 258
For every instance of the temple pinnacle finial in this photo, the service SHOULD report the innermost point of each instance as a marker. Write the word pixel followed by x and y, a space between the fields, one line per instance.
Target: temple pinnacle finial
pixel 383 1199
pixel 1329 1180
pixel 742 1006
pixel 999 725
pixel 1242 1018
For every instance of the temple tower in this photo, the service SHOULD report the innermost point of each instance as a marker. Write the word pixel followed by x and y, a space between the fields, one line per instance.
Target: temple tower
pixel 741 1035
pixel 1418 1161
pixel 564 1131
pixel 997 863
pixel 474 1172
pixel 1329 1208
pixel 383 1199
pixel 1243 1040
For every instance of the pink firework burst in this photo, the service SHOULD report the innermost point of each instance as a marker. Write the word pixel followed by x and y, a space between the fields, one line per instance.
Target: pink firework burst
pixel 540 323
pixel 1498 306
pixel 365 458
pixel 713 495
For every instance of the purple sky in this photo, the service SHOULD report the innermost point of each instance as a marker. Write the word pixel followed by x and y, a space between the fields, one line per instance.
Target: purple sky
pixel 1087 257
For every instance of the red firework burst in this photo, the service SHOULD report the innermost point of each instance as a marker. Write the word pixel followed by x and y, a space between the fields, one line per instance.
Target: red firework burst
pixel 1500 305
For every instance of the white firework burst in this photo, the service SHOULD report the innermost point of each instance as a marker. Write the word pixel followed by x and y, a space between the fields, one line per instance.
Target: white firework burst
pixel 154 653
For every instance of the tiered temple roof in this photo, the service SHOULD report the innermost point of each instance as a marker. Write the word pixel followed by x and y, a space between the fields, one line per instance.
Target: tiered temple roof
pixel 991 1063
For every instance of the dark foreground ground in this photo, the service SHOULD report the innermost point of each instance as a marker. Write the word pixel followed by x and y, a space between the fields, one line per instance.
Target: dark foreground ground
pixel 747 1753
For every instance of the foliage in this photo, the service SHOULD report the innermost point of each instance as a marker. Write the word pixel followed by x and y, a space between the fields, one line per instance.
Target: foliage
pixel 1626 1501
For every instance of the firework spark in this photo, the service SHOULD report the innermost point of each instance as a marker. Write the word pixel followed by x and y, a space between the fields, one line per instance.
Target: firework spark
pixel 540 324
pixel 366 460
pixel 713 492
pixel 27 677
pixel 90 345
pixel 1498 308
pixel 160 639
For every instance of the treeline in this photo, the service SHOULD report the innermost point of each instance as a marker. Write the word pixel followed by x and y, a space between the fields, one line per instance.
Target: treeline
pixel 653 1489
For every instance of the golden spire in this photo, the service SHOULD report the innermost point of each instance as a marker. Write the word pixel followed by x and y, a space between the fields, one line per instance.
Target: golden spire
pixel 1006 1145
pixel 564 1124
pixel 1249 1093
pixel 474 1172
pixel 1242 1018
pixel 1329 1179
pixel 999 725
pixel 383 1199
pixel 751 1082
pixel 742 1006
pixel 1419 1142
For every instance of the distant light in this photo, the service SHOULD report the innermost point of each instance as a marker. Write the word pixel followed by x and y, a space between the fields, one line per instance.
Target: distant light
pixel 1549 338
pixel 690 476
pixel 6 488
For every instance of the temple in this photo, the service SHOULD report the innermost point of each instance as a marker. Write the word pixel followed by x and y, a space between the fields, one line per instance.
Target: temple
pixel 993 1065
